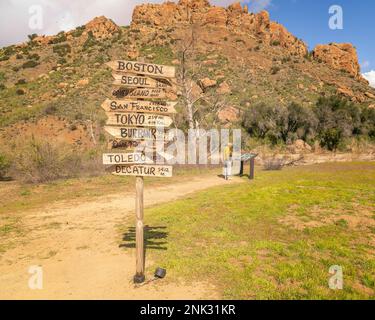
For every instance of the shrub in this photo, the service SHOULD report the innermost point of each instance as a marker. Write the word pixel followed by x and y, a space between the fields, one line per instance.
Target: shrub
pixel 338 119
pixel 30 64
pixel 4 166
pixel 60 37
pixel 33 56
pixel 2 86
pixel 50 109
pixel 21 81
pixel 275 43
pixel 62 50
pixel 78 31
pixel 275 69
pixel 19 56
pixel 20 92
pixel 32 36
pixel 279 123
pixel 40 161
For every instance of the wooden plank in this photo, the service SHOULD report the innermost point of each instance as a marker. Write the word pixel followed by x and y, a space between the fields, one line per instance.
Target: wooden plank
pixel 159 107
pixel 135 81
pixel 131 145
pixel 143 170
pixel 139 232
pixel 125 158
pixel 130 133
pixel 139 93
pixel 139 119
pixel 148 69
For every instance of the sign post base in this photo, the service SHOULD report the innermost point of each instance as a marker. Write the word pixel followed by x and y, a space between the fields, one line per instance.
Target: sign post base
pixel 139 278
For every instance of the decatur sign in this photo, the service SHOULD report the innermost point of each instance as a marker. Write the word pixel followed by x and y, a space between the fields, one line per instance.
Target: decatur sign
pixel 143 170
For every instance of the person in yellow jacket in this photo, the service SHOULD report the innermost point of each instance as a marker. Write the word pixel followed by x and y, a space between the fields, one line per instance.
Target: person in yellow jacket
pixel 227 159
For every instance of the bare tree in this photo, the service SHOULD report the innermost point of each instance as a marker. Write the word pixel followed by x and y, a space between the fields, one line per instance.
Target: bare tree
pixel 189 69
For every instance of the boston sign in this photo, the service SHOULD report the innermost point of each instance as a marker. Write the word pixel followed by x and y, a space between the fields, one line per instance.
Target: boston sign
pixel 149 69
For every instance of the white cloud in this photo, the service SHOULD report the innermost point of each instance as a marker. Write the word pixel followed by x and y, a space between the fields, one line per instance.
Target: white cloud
pixel 370 76
pixel 60 15
pixel 365 64
pixel 64 15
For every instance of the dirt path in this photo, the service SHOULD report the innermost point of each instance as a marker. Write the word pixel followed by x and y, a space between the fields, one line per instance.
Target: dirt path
pixel 77 245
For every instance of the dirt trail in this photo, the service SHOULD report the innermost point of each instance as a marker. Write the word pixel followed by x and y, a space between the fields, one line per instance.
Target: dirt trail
pixel 77 244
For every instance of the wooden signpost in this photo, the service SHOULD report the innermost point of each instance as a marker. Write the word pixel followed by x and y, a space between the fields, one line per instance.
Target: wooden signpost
pixel 132 120
pixel 134 81
pixel 139 93
pixel 158 107
pixel 138 119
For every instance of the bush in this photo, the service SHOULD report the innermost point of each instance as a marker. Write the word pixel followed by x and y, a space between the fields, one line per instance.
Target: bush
pixel 20 92
pixel 275 43
pixel 32 36
pixel 62 50
pixel 338 119
pixel 4 166
pixel 40 161
pixel 30 64
pixel 21 81
pixel 60 37
pixel 275 69
pixel 2 86
pixel 78 31
pixel 34 56
pixel 279 123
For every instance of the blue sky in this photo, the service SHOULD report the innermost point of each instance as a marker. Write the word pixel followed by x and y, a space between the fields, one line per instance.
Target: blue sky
pixel 307 19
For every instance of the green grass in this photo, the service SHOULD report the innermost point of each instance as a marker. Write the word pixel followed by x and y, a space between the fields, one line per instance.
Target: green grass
pixel 238 236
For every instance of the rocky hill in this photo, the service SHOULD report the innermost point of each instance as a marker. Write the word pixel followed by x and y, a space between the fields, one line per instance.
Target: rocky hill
pixel 53 86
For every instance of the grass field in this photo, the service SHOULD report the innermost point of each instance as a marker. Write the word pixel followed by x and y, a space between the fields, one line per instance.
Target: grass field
pixel 275 237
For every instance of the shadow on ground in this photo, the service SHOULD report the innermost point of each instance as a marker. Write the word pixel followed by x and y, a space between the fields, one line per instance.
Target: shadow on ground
pixel 154 238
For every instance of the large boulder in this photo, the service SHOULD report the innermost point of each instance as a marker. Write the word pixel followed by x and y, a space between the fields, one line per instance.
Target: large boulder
pixel 340 56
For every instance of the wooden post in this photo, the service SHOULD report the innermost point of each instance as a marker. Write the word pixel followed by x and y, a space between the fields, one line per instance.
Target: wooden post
pixel 252 165
pixel 241 168
pixel 139 237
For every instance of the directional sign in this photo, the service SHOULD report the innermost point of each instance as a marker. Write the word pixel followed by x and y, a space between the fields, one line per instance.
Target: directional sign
pixel 125 158
pixel 139 119
pixel 139 93
pixel 139 106
pixel 143 170
pixel 132 144
pixel 128 133
pixel 149 69
pixel 134 81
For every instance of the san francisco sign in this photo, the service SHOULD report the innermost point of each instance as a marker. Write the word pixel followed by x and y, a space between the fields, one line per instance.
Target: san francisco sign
pixel 160 107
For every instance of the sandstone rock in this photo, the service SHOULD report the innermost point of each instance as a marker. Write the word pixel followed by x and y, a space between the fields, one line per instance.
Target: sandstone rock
pixel 224 88
pixel 346 91
pixel 133 54
pixel 228 114
pixel 369 95
pixel 301 145
pixel 207 83
pixel 62 85
pixel 176 62
pixel 300 86
pixel 340 56
pixel 209 62
pixel 83 82
pixel 101 28
pixel 371 106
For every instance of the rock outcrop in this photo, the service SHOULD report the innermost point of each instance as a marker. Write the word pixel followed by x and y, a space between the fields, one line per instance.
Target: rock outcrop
pixel 341 56
pixel 101 28
pixel 235 18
